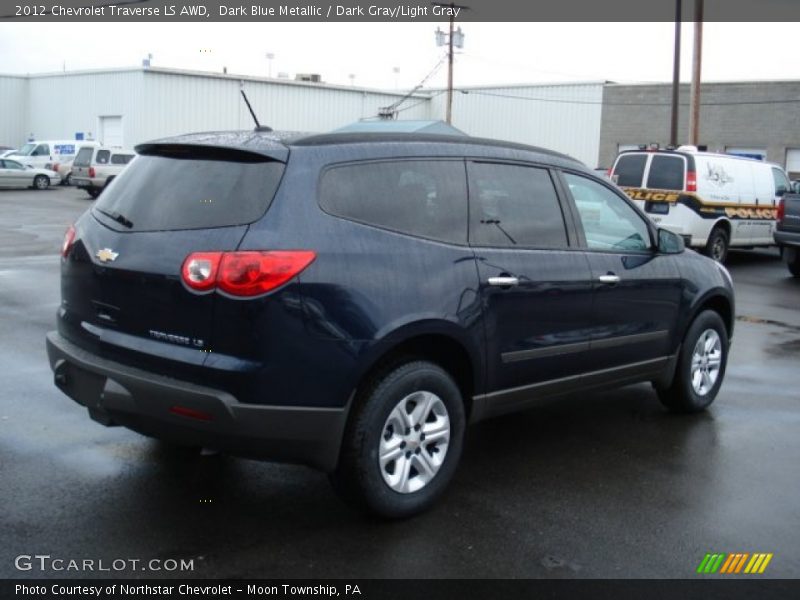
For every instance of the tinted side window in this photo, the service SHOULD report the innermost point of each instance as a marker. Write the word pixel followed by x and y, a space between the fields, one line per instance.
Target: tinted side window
pixel 609 222
pixel 513 205
pixel 424 198
pixel 42 150
pixel 666 173
pixel 121 159
pixel 102 157
pixel 629 170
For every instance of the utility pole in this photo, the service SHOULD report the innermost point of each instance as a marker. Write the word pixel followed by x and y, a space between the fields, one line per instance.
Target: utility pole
pixel 454 38
pixel 697 58
pixel 449 118
pixel 676 77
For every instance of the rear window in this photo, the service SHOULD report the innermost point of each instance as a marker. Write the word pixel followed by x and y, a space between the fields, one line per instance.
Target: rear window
pixel 84 157
pixel 666 173
pixel 423 198
pixel 156 193
pixel 629 170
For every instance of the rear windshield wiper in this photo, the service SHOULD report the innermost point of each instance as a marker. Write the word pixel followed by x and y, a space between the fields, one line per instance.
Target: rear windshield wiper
pixel 115 216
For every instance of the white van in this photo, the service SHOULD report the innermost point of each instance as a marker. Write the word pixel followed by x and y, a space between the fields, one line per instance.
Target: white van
pixel 45 154
pixel 714 201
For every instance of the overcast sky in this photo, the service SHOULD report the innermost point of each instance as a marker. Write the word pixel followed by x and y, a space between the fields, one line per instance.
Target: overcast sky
pixel 494 53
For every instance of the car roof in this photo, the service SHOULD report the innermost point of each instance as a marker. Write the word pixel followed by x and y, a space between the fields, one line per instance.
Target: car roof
pixel 276 144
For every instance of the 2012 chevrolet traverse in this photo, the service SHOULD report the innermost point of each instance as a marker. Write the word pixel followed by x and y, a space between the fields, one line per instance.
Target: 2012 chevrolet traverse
pixel 353 301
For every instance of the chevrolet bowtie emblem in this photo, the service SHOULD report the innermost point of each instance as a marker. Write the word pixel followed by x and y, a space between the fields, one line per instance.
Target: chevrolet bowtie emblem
pixel 106 254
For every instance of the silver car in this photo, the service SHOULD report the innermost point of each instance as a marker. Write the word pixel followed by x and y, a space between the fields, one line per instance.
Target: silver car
pixel 15 174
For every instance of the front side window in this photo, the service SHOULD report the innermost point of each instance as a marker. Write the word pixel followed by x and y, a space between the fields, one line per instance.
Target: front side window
pixel 422 198
pixel 781 183
pixel 514 205
pixel 42 150
pixel 609 222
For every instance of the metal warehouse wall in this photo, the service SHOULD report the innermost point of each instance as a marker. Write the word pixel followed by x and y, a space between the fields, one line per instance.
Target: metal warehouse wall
pixel 177 102
pixel 154 103
pixel 65 103
pixel 755 114
pixel 13 110
pixel 565 118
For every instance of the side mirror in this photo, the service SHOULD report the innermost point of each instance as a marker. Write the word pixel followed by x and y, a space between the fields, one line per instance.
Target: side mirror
pixel 670 243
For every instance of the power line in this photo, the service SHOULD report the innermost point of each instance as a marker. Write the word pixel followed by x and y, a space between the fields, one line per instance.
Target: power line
pixel 392 108
pixel 606 103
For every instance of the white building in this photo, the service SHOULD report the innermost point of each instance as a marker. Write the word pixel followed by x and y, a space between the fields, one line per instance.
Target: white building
pixel 123 107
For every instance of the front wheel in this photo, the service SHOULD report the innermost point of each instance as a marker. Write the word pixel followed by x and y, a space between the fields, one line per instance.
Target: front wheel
pixel 701 365
pixel 41 182
pixel 403 441
pixel 717 245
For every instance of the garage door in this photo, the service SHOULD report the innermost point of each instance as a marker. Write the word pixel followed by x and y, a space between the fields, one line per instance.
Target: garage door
pixel 111 131
pixel 793 162
pixel 757 153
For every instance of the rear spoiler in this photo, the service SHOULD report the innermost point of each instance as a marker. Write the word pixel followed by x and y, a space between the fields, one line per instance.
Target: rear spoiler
pixel 224 153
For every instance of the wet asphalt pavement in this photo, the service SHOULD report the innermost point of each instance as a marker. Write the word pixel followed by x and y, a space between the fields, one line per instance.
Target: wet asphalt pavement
pixel 603 485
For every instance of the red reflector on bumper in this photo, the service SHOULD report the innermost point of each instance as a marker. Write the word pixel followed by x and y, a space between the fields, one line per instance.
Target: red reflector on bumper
pixel 191 413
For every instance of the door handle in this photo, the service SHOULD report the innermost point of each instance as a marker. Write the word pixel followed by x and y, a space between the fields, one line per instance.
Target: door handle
pixel 506 281
pixel 609 278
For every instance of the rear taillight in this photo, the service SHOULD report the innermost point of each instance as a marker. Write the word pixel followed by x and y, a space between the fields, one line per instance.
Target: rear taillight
pixel 69 239
pixel 691 181
pixel 199 270
pixel 243 274
pixel 91 171
pixel 610 172
pixel 781 211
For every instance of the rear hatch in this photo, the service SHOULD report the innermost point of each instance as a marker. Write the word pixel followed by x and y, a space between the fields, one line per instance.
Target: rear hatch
pixel 122 291
pixel 80 166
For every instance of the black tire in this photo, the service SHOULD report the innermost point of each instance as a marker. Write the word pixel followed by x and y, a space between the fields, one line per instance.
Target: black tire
pixel 682 396
pixel 359 477
pixel 792 259
pixel 41 182
pixel 717 245
pixel 93 192
pixel 67 180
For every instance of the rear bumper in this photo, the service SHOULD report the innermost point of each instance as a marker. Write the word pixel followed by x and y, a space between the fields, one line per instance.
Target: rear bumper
pixel 116 394
pixel 787 238
pixel 85 183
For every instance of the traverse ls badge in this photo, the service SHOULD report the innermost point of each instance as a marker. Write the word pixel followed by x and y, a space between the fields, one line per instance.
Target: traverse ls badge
pixel 106 255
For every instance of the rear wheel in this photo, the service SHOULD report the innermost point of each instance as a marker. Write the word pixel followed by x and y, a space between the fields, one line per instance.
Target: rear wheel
pixel 93 192
pixel 41 182
pixel 717 245
pixel 403 441
pixel 792 258
pixel 701 365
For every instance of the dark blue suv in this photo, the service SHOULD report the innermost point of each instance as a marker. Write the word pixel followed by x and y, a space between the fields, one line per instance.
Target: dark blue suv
pixel 352 301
